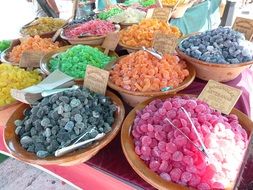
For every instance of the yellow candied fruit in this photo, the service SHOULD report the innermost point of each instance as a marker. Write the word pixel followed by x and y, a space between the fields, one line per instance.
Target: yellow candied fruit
pixel 43 25
pixel 13 77
pixel 172 2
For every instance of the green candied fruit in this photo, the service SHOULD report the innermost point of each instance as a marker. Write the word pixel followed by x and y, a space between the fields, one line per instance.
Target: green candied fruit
pixel 4 44
pixel 107 14
pixel 74 61
pixel 147 3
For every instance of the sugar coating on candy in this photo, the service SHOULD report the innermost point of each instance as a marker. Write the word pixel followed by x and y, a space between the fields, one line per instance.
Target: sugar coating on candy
pixel 75 60
pixel 174 158
pixel 41 133
pixel 35 43
pixel 43 25
pixel 221 45
pixel 19 78
pixel 142 72
pixel 128 16
pixel 90 28
pixel 142 34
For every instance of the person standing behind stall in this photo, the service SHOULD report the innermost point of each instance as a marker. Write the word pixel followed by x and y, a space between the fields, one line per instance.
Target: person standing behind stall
pixel 44 8
pixel 103 4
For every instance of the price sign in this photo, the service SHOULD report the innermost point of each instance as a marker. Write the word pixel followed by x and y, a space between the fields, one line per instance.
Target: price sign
pixel 111 41
pixel 244 26
pixel 31 59
pixel 220 96
pixel 165 43
pixel 162 13
pixel 96 79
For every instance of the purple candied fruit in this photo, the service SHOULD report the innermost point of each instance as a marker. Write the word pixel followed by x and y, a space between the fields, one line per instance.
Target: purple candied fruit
pixel 165 176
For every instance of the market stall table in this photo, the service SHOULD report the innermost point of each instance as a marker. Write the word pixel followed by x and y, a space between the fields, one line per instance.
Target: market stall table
pixel 110 170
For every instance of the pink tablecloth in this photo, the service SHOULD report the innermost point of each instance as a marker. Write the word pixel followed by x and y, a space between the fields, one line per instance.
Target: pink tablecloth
pixel 109 168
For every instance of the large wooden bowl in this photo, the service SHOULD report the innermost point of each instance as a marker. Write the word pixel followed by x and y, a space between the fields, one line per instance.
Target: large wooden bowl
pixel 140 167
pixel 5 54
pixel 89 40
pixel 46 58
pixel 12 142
pixel 213 71
pixel 133 98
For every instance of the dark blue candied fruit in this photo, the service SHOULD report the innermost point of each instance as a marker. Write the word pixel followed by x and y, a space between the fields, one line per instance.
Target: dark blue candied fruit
pixel 221 45
pixel 58 120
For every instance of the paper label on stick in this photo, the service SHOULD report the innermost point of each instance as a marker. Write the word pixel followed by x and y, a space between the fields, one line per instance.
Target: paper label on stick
pixel 164 43
pixel 96 79
pixel 220 96
pixel 244 26
pixel 111 41
pixel 162 13
pixel 31 59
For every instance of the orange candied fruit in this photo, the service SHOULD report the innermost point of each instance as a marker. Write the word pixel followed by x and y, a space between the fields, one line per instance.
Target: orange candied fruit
pixel 142 34
pixel 35 43
pixel 141 72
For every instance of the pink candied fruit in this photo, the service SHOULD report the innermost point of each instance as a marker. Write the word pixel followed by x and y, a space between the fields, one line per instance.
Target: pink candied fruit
pixel 145 116
pixel 146 140
pixel 186 176
pixel 177 156
pixel 180 141
pixel 145 150
pixel 203 186
pixel 188 160
pixel 165 155
pixel 154 165
pixel 168 153
pixel 167 105
pixel 191 104
pixel 171 147
pixel 164 165
pixel 175 174
pixel 162 145
pixel 150 127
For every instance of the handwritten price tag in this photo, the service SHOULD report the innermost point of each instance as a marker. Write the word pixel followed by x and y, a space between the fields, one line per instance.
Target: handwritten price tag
pixel 164 43
pixel 31 59
pixel 159 13
pixel 244 26
pixel 111 41
pixel 220 96
pixel 96 79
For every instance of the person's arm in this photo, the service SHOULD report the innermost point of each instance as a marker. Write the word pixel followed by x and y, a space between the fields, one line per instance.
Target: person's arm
pixel 108 3
pixel 53 5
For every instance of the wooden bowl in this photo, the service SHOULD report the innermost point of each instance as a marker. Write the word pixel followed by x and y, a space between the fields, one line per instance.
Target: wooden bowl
pixel 5 53
pixel 213 71
pixel 125 25
pixel 46 58
pixel 13 145
pixel 134 98
pixel 89 40
pixel 139 165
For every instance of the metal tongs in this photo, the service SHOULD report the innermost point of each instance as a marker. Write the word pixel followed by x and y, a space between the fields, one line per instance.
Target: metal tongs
pixel 202 148
pixel 153 52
